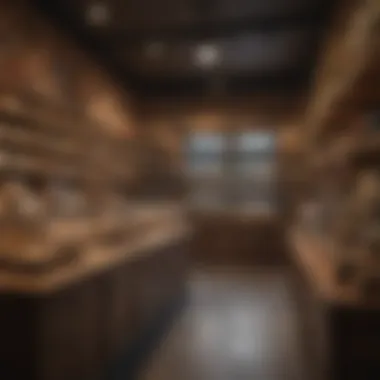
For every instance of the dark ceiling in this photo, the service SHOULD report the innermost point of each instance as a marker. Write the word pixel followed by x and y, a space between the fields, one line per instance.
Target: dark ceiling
pixel 192 46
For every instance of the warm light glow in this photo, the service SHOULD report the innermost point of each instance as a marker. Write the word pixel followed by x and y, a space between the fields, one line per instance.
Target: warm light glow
pixel 98 14
pixel 154 50
pixel 207 56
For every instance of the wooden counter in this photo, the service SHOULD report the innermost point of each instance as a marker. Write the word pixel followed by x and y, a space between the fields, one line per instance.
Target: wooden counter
pixel 339 328
pixel 97 260
pixel 85 322
pixel 227 239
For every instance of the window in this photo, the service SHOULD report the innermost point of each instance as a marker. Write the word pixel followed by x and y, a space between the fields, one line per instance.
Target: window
pixel 256 170
pixel 205 168
pixel 232 170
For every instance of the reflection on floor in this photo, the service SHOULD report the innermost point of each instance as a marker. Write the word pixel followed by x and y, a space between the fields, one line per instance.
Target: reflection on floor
pixel 238 326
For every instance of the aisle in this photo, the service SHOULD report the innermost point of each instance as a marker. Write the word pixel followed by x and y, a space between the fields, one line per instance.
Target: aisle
pixel 237 327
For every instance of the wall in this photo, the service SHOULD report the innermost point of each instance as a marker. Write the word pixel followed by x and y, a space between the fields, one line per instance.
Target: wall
pixel 35 59
pixel 229 239
pixel 50 81
pixel 166 122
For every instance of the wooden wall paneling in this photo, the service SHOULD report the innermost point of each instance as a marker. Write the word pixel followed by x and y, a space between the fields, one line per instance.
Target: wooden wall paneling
pixel 339 329
pixel 227 240
pixel 178 264
pixel 354 42
pixel 122 303
pixel 314 331
pixel 85 330
pixel 356 334
pixel 148 292
pixel 72 332
pixel 19 350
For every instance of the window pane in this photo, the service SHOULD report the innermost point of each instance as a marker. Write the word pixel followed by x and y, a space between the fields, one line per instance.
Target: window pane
pixel 256 170
pixel 205 167
pixel 256 142
pixel 207 142
pixel 238 172
pixel 204 156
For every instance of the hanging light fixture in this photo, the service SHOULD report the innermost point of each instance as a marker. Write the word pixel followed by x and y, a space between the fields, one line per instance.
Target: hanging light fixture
pixel 98 14
pixel 154 50
pixel 207 56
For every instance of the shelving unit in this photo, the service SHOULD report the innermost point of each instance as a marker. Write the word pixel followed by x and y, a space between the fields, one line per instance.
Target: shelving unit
pixel 333 255
pixel 95 282
pixel 44 140
pixel 349 75
pixel 339 328
pixel 117 266
pixel 87 273
pixel 33 144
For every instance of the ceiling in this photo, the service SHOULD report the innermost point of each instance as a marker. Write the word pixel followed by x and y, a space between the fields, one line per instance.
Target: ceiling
pixel 194 46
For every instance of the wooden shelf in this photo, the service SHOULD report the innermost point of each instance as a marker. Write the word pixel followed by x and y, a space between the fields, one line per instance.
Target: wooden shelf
pixel 357 154
pixel 366 153
pixel 18 163
pixel 341 86
pixel 53 117
pixel 64 240
pixel 313 256
pixel 33 119
pixel 339 329
pixel 41 138
pixel 17 135
pixel 14 149
pixel 94 259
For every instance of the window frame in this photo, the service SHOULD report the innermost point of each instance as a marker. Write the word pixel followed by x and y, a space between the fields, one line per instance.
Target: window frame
pixel 228 188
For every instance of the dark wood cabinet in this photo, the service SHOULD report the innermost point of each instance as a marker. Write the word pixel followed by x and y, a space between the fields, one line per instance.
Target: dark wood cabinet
pixel 81 331
pixel 339 330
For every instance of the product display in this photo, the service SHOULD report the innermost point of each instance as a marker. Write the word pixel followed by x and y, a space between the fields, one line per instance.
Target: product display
pixel 22 217
pixel 66 201
pixel 18 203
pixel 349 219
pixel 48 226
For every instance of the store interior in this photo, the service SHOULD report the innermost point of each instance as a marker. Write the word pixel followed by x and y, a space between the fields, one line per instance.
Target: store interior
pixel 188 189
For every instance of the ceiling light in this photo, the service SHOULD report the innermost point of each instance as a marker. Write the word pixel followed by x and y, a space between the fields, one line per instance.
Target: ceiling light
pixel 154 50
pixel 98 14
pixel 207 56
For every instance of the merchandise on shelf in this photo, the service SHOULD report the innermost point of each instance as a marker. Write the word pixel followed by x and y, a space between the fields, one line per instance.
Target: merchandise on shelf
pixel 19 204
pixel 357 231
pixel 66 201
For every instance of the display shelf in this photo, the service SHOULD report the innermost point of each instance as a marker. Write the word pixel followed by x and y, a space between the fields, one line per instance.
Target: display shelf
pixel 313 255
pixel 51 117
pixel 356 153
pixel 41 139
pixel 339 328
pixel 332 247
pixel 41 120
pixel 316 256
pixel 366 153
pixel 64 241
pixel 27 154
pixel 31 145
pixel 94 259
pixel 25 164
pixel 80 229
pixel 10 134
pixel 341 88
pixel 39 155
pixel 104 310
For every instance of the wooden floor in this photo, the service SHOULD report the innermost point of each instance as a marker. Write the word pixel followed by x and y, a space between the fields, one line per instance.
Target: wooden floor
pixel 237 326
